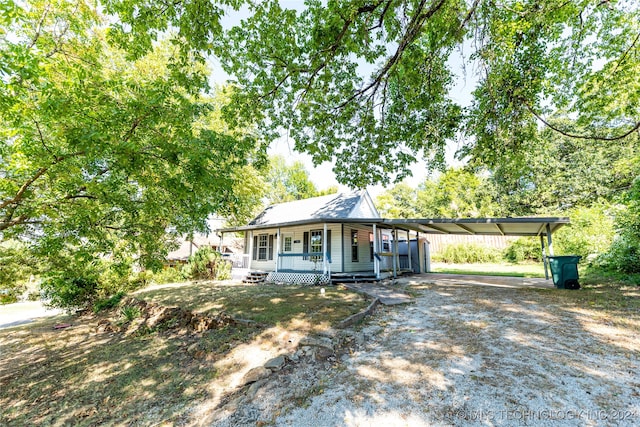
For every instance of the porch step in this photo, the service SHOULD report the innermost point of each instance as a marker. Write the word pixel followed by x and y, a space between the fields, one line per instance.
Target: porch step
pixel 255 277
pixel 352 278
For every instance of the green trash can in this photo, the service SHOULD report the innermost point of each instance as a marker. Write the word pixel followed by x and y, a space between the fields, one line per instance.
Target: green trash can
pixel 564 270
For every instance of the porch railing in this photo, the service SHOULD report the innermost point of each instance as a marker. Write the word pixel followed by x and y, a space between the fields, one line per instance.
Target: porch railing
pixel 304 262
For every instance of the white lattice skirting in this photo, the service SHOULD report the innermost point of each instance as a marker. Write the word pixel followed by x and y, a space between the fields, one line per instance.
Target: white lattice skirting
pixel 299 278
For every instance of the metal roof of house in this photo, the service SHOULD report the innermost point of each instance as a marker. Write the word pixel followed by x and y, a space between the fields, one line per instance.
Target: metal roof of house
pixel 334 206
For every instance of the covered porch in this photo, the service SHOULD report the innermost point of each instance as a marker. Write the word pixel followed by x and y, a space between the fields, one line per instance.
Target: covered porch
pixel 395 246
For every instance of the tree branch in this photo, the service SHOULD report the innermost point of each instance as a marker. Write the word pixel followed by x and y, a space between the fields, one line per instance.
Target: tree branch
pixel 576 136
pixel 24 188
pixel 22 219
pixel 412 32
pixel 38 28
pixel 626 52
pixel 35 177
pixel 469 15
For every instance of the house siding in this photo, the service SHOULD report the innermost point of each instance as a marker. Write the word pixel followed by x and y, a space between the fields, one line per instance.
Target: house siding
pixel 364 262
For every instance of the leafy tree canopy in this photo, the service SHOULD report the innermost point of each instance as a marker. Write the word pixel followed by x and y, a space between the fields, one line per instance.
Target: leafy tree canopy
pixel 456 193
pixel 100 153
pixel 366 83
pixel 290 182
pixel 398 202
pixel 555 173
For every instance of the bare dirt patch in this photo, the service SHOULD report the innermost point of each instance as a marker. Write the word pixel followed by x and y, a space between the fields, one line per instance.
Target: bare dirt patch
pixel 458 355
pixel 165 364
pixel 475 355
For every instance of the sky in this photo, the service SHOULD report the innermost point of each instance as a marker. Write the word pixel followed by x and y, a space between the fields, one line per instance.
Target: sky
pixel 322 175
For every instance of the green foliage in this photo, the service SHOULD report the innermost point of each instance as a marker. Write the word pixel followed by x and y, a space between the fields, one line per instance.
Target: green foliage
pixel 130 313
pixel 77 280
pixel 17 264
pixel 591 232
pixel 369 85
pixel 104 153
pixel 624 254
pixel 8 296
pixel 208 264
pixel 524 249
pixel 456 193
pixel 108 303
pixel 168 275
pixel 286 183
pixel 70 291
pixel 555 173
pixel 398 202
pixel 467 253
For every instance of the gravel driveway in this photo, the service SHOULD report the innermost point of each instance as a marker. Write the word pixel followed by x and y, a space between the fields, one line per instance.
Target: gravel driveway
pixel 476 355
pixel 24 312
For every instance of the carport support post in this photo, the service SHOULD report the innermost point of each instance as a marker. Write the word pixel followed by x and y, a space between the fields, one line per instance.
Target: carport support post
pixel 418 257
pixel 549 241
pixel 427 257
pixel 544 258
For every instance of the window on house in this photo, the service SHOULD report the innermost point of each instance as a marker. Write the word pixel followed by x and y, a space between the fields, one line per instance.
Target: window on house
pixel 288 240
pixel 371 247
pixel 386 246
pixel 354 245
pixel 263 245
pixel 316 244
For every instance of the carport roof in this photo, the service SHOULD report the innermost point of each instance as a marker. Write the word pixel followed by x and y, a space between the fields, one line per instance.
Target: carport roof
pixel 518 226
pixel 521 226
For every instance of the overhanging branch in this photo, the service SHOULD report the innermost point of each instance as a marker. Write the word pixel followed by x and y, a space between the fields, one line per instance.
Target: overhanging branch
pixel 576 136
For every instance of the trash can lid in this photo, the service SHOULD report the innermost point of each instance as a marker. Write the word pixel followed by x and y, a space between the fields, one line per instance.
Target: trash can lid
pixel 565 257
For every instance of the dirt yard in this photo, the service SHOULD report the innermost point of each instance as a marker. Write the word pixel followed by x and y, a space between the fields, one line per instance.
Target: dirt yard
pixel 473 355
pixel 457 355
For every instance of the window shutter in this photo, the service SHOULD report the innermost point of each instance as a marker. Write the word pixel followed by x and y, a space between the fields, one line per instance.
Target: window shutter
pixel 270 247
pixel 305 244
pixel 329 244
pixel 255 248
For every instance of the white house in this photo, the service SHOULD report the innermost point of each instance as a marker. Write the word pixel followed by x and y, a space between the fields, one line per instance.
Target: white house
pixel 311 240
pixel 342 237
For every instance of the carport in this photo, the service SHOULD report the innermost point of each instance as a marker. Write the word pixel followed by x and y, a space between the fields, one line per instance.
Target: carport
pixel 543 227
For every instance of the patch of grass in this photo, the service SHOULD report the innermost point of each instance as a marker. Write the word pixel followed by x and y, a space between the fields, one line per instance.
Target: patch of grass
pixel 108 303
pixel 265 304
pixel 129 313
pixel 80 377
pixel 594 276
pixel 491 269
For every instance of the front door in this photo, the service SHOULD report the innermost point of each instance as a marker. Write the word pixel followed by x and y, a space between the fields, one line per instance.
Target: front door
pixel 286 262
